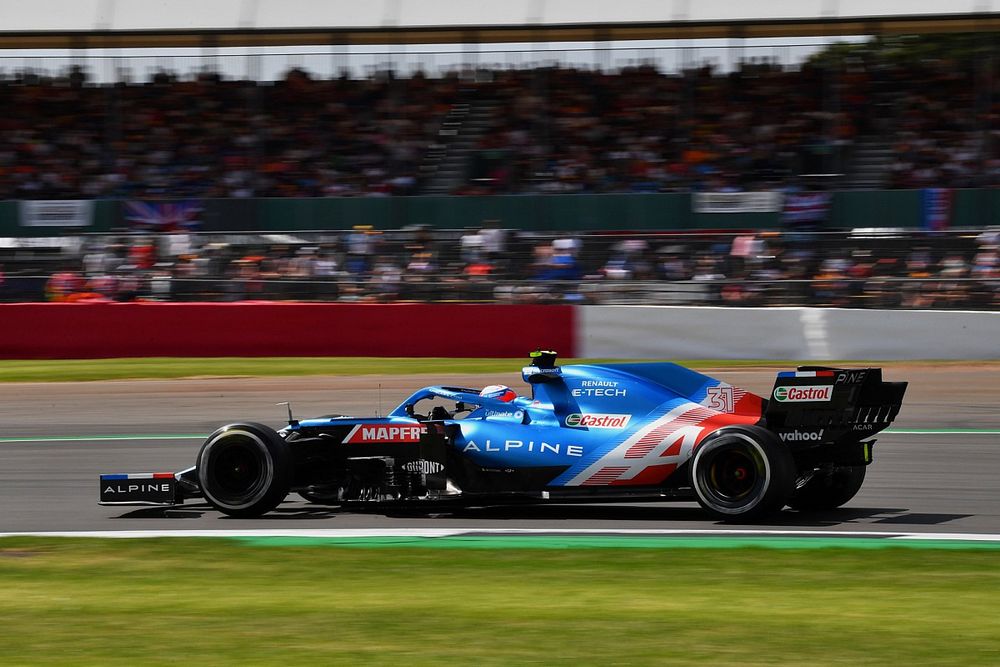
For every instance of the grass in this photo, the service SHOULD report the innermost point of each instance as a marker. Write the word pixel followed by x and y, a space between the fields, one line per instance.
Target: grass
pixel 62 370
pixel 52 370
pixel 219 602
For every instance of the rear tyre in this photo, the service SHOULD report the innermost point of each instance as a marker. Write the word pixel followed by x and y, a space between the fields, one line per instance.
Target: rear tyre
pixel 829 489
pixel 244 469
pixel 742 473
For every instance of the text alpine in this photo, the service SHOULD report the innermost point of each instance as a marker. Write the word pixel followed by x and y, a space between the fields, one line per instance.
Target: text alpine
pixel 527 446
pixel 138 487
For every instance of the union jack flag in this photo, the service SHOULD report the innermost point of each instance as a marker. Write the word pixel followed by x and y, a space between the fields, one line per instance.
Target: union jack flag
pixel 164 216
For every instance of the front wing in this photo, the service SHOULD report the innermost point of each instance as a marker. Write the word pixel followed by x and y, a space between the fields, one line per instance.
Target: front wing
pixel 162 489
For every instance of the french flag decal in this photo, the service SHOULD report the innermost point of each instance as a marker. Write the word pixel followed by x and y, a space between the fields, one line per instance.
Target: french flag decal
pixel 137 475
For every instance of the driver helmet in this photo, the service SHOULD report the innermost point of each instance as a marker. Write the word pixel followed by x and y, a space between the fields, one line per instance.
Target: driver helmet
pixel 499 392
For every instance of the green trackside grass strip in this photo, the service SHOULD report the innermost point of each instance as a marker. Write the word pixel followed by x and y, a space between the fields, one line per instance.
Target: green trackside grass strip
pixel 173 367
pixel 217 602
pixel 619 542
pixel 57 370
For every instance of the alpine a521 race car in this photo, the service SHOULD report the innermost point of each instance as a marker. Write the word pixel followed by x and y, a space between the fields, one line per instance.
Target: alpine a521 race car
pixel 631 431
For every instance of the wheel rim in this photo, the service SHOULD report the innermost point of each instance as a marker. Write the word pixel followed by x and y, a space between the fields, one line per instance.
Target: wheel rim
pixel 732 475
pixel 236 469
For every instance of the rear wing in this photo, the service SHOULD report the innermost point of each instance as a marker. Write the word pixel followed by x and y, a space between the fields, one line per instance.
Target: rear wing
pixel 841 401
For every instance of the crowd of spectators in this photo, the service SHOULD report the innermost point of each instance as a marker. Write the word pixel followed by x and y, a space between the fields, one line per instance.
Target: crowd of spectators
pixel 756 128
pixel 209 137
pixel 547 130
pixel 945 126
pixel 932 270
pixel 640 130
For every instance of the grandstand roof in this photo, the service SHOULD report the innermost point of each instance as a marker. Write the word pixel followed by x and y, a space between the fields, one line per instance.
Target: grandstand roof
pixel 137 23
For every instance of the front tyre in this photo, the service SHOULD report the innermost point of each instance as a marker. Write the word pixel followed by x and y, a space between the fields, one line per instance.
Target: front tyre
pixel 829 489
pixel 742 473
pixel 244 469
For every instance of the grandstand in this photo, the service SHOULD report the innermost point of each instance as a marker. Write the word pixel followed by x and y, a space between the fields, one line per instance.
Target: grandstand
pixel 626 121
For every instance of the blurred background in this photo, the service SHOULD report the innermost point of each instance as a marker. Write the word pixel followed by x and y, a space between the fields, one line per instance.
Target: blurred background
pixel 830 154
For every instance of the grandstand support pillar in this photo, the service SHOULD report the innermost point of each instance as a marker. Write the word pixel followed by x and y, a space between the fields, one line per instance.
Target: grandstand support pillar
pixel 602 50
pixel 210 53
pixel 737 41
pixel 340 53
pixel 253 70
pixel 470 48
pixel 832 159
pixel 984 97
pixel 78 50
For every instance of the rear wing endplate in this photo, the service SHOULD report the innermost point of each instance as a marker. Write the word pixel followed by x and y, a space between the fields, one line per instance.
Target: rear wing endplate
pixel 855 399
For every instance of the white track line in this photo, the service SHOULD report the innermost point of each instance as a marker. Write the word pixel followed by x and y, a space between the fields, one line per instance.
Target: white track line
pixel 452 532
pixel 101 438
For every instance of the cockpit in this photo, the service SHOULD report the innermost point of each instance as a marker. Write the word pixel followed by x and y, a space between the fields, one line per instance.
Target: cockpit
pixel 438 403
pixel 441 403
pixel 496 402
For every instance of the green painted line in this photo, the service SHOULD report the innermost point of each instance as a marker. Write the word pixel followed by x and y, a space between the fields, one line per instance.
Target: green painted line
pixel 104 438
pixel 617 542
pixel 944 431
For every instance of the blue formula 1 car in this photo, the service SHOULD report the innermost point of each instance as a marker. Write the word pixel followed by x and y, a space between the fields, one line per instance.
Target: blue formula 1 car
pixel 639 431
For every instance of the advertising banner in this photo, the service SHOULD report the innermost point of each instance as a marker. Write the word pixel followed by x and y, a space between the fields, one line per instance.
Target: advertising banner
pixel 56 213
pixel 806 208
pixel 737 202
pixel 937 208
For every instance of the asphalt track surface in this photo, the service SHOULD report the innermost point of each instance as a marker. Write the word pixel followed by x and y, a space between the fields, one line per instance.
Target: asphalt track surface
pixel 57 438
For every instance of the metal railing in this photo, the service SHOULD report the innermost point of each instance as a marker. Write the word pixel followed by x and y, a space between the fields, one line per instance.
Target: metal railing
pixel 858 268
pixel 329 61
pixel 889 292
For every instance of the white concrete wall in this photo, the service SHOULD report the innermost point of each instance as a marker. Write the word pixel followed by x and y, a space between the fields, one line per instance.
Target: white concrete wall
pixel 675 332
pixel 87 15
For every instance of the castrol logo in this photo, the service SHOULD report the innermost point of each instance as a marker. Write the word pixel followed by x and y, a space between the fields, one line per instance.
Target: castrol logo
pixel 803 394
pixel 577 420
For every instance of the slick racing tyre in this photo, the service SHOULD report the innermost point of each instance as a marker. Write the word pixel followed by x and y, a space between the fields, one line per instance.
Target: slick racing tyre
pixel 829 489
pixel 244 469
pixel 742 473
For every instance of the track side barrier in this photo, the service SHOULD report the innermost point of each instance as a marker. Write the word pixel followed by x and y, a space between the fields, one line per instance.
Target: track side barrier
pixel 67 331
pixel 675 332
pixel 80 331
